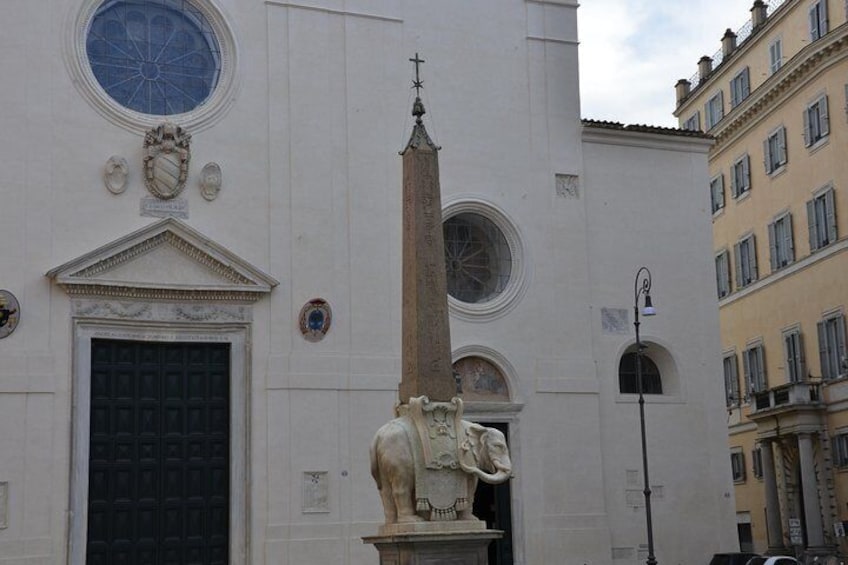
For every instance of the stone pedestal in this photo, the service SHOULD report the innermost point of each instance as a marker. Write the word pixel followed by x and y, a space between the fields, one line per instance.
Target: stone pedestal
pixel 468 547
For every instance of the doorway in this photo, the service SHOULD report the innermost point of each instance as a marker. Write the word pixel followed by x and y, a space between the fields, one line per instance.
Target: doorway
pixel 159 453
pixel 492 503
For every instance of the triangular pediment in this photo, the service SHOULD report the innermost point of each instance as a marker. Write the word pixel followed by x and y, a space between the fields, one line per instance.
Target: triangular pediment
pixel 165 260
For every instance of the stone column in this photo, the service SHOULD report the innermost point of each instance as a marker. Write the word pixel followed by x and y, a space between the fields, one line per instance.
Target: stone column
pixel 812 508
pixel 773 523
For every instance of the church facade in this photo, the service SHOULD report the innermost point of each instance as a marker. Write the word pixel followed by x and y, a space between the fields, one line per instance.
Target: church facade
pixel 201 298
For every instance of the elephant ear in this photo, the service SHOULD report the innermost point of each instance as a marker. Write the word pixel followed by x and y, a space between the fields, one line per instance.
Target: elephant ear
pixel 474 438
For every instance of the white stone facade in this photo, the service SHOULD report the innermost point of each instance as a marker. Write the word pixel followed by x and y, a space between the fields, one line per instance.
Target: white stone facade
pixel 305 126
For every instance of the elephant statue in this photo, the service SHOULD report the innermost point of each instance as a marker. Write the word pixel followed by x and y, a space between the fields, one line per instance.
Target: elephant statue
pixel 418 482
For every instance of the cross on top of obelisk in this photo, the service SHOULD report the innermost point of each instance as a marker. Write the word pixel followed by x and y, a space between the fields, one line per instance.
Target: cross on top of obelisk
pixel 417 84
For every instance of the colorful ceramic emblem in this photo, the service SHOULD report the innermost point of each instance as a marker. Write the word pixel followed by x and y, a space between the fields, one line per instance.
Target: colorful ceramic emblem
pixel 10 313
pixel 315 317
pixel 166 158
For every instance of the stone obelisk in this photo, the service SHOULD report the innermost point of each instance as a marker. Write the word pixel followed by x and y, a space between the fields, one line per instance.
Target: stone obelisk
pixel 424 460
pixel 426 353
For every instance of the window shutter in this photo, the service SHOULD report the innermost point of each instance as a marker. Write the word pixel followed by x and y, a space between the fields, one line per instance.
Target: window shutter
pixel 746 171
pixel 746 370
pixel 815 21
pixel 789 240
pixel 823 116
pixel 781 142
pixel 772 247
pixel 789 350
pixel 840 343
pixel 831 216
pixel 746 84
pixel 720 114
pixel 734 378
pixel 734 86
pixel 737 252
pixel 752 258
pixel 761 369
pixel 802 359
pixel 767 156
pixel 823 360
pixel 720 195
pixel 822 17
pixel 734 185
pixel 806 132
pixel 811 224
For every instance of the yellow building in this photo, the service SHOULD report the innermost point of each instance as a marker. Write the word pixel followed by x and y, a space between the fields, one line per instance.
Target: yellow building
pixel 775 100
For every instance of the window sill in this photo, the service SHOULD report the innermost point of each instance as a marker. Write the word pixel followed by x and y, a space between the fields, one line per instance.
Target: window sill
pixel 778 171
pixel 743 195
pixel 823 142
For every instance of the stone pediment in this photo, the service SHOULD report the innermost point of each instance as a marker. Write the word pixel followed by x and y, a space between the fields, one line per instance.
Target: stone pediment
pixel 165 260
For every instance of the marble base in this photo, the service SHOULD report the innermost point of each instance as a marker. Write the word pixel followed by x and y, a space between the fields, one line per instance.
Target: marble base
pixel 435 548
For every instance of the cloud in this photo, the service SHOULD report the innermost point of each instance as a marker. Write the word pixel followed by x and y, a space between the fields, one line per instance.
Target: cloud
pixel 633 52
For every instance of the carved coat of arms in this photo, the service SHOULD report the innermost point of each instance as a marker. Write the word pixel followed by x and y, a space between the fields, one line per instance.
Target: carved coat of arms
pixel 166 158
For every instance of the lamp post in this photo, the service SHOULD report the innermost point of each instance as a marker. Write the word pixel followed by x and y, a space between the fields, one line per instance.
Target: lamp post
pixel 642 286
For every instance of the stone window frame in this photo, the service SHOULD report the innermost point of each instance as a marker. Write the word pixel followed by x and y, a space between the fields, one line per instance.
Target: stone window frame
pixel 737 465
pixel 839 442
pixel 817 19
pixel 713 110
pixel 757 462
pixel 717 202
pixel 794 356
pixel 740 176
pixel 821 218
pixel 754 367
pixel 775 54
pixel 781 241
pixel 498 305
pixel 740 87
pixel 200 118
pixel 730 369
pixel 832 345
pixel 816 120
pixel 775 155
pixel 745 259
pixel 723 280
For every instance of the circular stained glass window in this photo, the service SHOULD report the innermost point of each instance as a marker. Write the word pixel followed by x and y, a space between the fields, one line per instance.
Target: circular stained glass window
pixel 157 57
pixel 478 258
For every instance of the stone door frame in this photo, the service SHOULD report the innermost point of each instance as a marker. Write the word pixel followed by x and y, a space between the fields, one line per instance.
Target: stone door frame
pixel 236 333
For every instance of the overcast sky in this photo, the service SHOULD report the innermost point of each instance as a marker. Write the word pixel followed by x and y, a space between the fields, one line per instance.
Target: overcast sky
pixel 632 52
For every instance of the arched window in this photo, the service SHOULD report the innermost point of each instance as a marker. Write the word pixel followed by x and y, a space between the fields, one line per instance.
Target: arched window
pixel 651 378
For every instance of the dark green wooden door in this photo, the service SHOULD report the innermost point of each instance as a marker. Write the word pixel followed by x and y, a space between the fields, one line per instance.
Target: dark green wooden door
pixel 158 489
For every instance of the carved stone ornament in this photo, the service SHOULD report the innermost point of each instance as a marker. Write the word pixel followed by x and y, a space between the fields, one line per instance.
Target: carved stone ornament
pixel 115 174
pixel 166 158
pixel 10 313
pixel 210 181
pixel 315 318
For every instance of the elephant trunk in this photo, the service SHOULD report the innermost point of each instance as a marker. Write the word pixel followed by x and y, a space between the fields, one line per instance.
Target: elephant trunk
pixel 502 473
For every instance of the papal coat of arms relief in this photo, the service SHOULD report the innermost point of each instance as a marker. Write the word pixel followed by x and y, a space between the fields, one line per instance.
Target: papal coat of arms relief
pixel 166 158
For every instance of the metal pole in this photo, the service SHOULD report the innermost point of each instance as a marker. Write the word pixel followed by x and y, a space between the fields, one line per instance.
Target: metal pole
pixel 644 288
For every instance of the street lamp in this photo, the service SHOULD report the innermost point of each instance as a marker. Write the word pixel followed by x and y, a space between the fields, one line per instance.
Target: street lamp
pixel 642 286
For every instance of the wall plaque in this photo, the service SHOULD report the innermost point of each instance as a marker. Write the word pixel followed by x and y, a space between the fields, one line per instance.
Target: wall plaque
pixel 315 492
pixel 10 313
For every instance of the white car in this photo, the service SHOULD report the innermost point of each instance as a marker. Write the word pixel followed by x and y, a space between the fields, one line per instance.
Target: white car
pixel 774 560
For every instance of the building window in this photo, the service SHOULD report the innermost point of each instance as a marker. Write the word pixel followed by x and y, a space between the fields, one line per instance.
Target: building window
pixel 722 266
pixel 717 193
pixel 740 87
pixel 818 19
pixel 831 332
pixel 740 176
pixel 775 55
pixel 651 378
pixel 757 462
pixel 714 110
pixel 156 57
pixel 745 252
pixel 840 450
pixel 793 356
pixel 774 150
pixel 821 219
pixel 737 464
pixel 731 381
pixel 816 122
pixel 477 257
pixel 781 246
pixel 693 123
pixel 753 361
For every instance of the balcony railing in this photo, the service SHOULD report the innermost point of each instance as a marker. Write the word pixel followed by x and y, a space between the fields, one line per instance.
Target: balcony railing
pixel 742 34
pixel 792 394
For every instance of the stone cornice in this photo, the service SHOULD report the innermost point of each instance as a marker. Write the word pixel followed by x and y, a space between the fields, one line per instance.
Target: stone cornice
pixel 666 139
pixel 768 97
